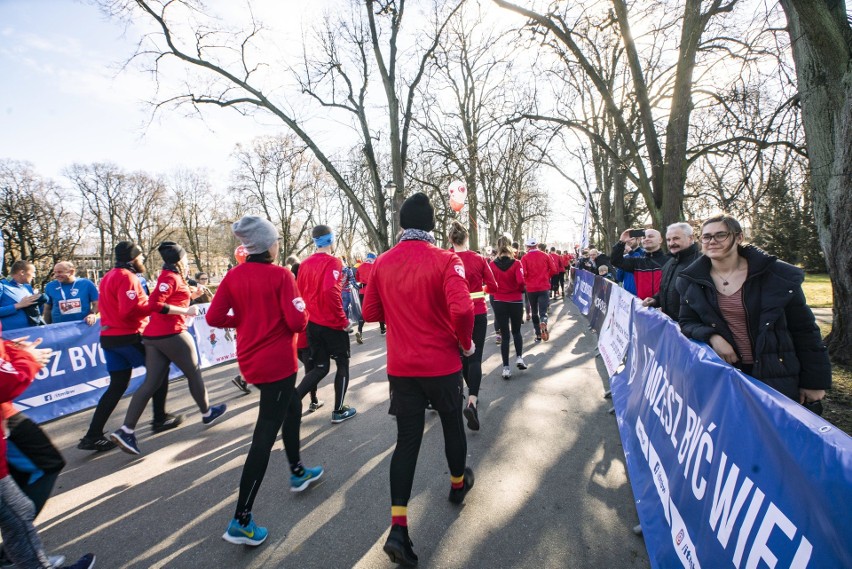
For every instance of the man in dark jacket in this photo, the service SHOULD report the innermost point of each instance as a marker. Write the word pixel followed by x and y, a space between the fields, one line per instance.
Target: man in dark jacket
pixel 683 250
pixel 647 268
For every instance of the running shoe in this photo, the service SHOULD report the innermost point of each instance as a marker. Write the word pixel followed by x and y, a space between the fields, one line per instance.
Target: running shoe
pixel 457 495
pixel 315 405
pixel 99 444
pixel 520 363
pixel 400 548
pixel 250 534
pixel 498 339
pixel 507 372
pixel 125 441
pixel 383 331
pixel 545 335
pixel 472 417
pixel 345 412
pixel 85 562
pixel 170 422
pixel 359 338
pixel 537 339
pixel 241 384
pixel 216 411
pixel 311 475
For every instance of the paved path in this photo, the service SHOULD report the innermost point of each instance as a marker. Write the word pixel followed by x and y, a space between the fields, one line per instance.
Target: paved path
pixel 551 488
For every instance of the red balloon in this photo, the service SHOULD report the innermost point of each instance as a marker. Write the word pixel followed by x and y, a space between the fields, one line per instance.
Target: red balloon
pixel 240 254
pixel 457 206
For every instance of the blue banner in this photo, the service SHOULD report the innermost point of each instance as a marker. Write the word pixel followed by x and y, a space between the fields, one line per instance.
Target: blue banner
pixel 600 303
pixel 584 283
pixel 726 472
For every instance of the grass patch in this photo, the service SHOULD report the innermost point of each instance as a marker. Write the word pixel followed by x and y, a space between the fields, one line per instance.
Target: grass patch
pixel 817 290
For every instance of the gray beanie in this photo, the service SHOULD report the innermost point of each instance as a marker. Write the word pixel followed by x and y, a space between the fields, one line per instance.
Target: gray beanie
pixel 256 234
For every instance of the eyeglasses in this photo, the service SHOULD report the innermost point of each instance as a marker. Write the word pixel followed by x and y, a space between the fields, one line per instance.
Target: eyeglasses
pixel 719 237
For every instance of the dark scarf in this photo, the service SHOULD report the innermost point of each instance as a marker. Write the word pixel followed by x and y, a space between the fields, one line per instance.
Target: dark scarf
pixel 417 235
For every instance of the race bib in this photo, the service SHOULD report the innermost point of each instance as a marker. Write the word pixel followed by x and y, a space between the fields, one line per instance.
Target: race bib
pixel 72 306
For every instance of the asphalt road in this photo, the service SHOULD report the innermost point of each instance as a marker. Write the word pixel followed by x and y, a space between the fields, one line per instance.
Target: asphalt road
pixel 551 487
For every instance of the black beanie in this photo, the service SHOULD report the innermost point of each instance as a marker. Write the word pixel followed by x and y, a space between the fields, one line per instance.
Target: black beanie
pixel 171 252
pixel 417 213
pixel 126 251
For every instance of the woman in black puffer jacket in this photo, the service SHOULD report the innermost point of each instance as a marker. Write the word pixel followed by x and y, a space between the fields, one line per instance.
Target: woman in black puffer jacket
pixel 750 308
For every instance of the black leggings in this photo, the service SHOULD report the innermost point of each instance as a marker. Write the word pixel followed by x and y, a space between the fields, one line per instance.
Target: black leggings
pixel 504 313
pixel 118 382
pixel 318 371
pixel 472 365
pixel 539 302
pixel 280 409
pixel 409 429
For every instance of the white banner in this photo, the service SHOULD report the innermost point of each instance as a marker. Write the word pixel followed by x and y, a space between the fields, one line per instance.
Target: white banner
pixel 215 345
pixel 584 236
pixel 615 332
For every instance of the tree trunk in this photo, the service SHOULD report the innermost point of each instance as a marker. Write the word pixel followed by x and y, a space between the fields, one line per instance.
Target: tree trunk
pixel 821 37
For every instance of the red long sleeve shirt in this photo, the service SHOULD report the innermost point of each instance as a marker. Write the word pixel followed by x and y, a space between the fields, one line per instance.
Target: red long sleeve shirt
pixel 421 292
pixel 171 289
pixel 122 303
pixel 362 275
pixel 538 268
pixel 17 371
pixel 268 312
pixel 478 273
pixel 510 281
pixel 321 282
pixel 557 261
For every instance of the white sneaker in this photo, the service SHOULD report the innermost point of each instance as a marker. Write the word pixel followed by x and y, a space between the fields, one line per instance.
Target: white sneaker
pixel 520 363
pixel 507 372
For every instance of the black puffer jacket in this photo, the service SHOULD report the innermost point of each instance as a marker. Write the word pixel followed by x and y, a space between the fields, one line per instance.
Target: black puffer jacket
pixel 667 298
pixel 788 351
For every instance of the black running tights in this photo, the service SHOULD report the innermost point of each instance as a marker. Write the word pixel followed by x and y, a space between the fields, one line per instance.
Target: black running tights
pixel 472 365
pixel 280 410
pixel 118 382
pixel 504 314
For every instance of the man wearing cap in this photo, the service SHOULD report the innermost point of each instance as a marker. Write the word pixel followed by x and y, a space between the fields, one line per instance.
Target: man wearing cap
pixel 421 291
pixel 538 268
pixel 362 276
pixel 124 314
pixel 70 299
pixel 320 281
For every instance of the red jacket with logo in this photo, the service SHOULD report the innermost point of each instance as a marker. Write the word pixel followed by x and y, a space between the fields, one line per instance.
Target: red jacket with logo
pixel 538 268
pixel 421 292
pixel 172 289
pixel 122 303
pixel 321 283
pixel 478 273
pixel 510 280
pixel 17 371
pixel 267 312
pixel 557 261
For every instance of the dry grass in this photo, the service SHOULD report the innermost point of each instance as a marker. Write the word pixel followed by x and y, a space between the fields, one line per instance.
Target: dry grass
pixel 818 291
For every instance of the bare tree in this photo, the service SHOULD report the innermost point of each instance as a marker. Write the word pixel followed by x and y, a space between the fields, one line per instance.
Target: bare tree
pixel 197 208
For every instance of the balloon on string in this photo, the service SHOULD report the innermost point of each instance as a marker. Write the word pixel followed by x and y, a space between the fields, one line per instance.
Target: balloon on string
pixel 240 254
pixel 458 195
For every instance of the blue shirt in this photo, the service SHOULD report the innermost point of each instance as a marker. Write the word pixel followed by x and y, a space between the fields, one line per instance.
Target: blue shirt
pixel 11 317
pixel 70 302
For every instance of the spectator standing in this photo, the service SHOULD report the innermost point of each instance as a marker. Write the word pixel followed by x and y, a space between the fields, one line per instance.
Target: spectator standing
pixel 627 280
pixel 267 359
pixel 20 305
pixel 70 299
pixel 200 293
pixel 419 289
pixel 750 308
pixel 647 269
pixel 682 251
pixel 538 268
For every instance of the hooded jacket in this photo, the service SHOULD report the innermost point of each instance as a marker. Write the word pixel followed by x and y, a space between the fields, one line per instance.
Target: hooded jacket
pixel 667 298
pixel 509 275
pixel 647 269
pixel 788 351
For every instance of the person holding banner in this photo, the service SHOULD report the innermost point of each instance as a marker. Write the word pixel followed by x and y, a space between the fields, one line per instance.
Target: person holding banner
pixel 683 251
pixel 646 269
pixel 266 356
pixel 167 341
pixel 750 308
pixel 478 275
pixel 124 312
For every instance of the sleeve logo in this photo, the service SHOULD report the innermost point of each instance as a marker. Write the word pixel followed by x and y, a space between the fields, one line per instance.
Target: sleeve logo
pixel 7 367
pixel 460 270
pixel 299 304
pixel 131 294
pixel 164 287
pixel 336 275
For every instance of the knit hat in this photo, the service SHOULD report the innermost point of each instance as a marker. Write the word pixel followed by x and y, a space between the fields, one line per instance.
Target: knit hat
pixel 171 252
pixel 126 251
pixel 371 256
pixel 531 242
pixel 417 213
pixel 256 233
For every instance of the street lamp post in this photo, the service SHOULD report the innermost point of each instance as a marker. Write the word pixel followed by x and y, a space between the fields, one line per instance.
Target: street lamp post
pixel 391 188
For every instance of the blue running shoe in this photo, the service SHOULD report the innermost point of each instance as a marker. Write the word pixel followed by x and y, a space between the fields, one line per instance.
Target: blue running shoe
pixel 125 441
pixel 311 475
pixel 216 411
pixel 251 534
pixel 85 562
pixel 345 412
